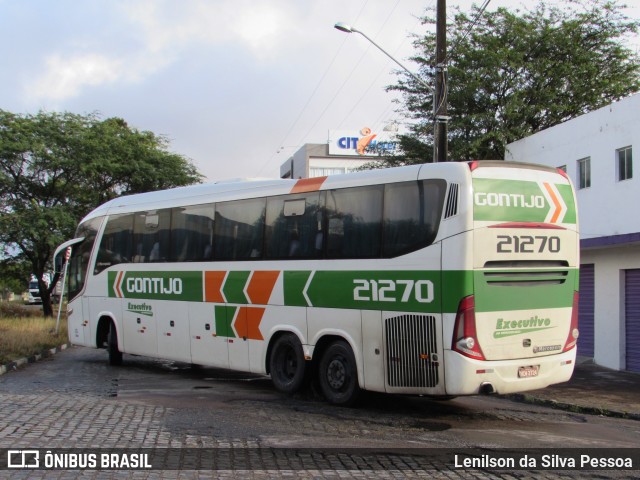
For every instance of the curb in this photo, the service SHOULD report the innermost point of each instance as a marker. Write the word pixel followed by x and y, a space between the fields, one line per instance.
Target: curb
pixel 571 407
pixel 11 366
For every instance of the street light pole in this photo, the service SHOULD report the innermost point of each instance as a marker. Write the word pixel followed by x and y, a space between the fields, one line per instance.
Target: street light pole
pixel 440 92
pixel 440 117
pixel 343 27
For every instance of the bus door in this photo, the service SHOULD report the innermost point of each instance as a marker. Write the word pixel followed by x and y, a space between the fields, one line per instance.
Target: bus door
pixel 208 331
pixel 173 331
pixel 139 330
pixel 238 343
pixel 78 323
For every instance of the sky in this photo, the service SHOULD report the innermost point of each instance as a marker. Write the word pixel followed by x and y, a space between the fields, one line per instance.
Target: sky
pixel 236 86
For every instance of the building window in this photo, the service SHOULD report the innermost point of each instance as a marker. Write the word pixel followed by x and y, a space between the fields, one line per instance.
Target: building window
pixel 324 171
pixel 584 172
pixel 625 167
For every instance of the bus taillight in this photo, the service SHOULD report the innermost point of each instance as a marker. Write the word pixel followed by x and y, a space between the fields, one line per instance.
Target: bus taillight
pixel 572 338
pixel 465 340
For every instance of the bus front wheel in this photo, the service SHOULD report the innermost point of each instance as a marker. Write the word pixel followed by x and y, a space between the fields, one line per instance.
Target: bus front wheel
pixel 287 364
pixel 338 374
pixel 115 355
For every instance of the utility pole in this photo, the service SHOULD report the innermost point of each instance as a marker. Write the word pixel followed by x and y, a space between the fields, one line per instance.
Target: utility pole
pixel 440 117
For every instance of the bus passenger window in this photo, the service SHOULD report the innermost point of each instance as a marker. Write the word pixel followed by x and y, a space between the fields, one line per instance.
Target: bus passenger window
pixel 294 226
pixel 355 222
pixel 239 229
pixel 192 233
pixel 412 212
pixel 151 235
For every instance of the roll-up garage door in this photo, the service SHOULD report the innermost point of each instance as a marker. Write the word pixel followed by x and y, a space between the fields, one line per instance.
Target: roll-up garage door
pixel 632 319
pixel 586 310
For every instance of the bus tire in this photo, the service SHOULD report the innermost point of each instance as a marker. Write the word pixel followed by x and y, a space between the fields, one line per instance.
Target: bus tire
pixel 338 374
pixel 287 364
pixel 115 355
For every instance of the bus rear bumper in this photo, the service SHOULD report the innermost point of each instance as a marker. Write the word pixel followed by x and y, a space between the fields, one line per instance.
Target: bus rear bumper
pixel 465 376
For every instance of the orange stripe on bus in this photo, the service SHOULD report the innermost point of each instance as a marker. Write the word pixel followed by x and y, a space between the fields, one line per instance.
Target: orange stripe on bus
pixel 308 185
pixel 247 323
pixel 119 284
pixel 556 202
pixel 261 285
pixel 213 286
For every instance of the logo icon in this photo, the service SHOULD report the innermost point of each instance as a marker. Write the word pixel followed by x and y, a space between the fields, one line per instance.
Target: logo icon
pixel 23 459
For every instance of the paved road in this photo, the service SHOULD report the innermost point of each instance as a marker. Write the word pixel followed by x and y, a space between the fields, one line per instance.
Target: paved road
pixel 75 400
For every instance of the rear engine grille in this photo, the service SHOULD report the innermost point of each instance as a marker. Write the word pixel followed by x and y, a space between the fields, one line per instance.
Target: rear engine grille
pixel 526 273
pixel 411 351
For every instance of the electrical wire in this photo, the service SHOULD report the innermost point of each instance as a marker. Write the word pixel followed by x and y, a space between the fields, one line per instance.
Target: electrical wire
pixel 304 108
pixel 353 70
pixel 441 70
pixel 483 7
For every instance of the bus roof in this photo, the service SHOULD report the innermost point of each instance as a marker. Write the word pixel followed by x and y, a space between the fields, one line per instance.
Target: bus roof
pixel 253 188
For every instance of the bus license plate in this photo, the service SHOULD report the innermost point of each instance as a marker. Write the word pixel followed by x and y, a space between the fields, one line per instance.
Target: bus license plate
pixel 527 372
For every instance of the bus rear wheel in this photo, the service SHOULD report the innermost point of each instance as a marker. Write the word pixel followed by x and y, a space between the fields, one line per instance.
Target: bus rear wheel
pixel 287 364
pixel 338 374
pixel 115 355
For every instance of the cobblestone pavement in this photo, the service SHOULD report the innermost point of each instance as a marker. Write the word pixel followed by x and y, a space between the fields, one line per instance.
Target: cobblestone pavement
pixel 75 400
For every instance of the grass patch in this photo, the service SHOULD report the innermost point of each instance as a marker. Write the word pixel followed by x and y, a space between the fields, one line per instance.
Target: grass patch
pixel 27 334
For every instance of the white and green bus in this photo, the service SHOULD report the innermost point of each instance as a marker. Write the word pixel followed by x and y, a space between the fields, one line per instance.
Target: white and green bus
pixel 443 279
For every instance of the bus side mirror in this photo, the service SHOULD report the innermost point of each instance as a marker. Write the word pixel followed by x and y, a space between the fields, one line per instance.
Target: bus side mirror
pixel 58 263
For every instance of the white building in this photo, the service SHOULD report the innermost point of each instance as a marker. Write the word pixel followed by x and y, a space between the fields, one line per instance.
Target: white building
pixel 344 152
pixel 595 149
pixel 313 160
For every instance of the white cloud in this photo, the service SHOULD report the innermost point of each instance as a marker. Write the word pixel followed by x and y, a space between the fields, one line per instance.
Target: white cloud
pixel 158 33
pixel 65 77
pixel 257 26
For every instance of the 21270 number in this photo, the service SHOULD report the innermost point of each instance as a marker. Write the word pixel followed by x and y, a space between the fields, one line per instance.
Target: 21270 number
pixel 403 291
pixel 528 244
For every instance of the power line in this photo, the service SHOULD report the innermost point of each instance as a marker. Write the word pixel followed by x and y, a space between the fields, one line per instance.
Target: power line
pixel 469 28
pixel 304 108
pixel 353 70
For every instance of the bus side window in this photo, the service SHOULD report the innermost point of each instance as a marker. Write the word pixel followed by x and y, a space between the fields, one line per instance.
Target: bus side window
pixel 354 222
pixel 151 236
pixel 294 226
pixel 239 229
pixel 115 246
pixel 412 212
pixel 192 233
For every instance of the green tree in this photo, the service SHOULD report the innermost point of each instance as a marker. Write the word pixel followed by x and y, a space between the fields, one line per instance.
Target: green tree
pixel 56 167
pixel 14 275
pixel 514 73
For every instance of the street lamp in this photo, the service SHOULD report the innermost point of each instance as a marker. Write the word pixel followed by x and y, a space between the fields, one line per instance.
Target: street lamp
pixel 439 93
pixel 343 27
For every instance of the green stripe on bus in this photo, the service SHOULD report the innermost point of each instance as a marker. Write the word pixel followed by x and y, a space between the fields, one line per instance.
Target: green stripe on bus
pixel 456 285
pixel 183 286
pixel 234 287
pixel 294 283
pixel 410 291
pixel 224 317
pixel 524 294
pixel 567 196
pixel 518 201
pixel 424 291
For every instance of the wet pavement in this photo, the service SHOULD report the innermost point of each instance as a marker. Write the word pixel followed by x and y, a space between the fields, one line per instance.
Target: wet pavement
pixel 592 390
pixel 76 400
